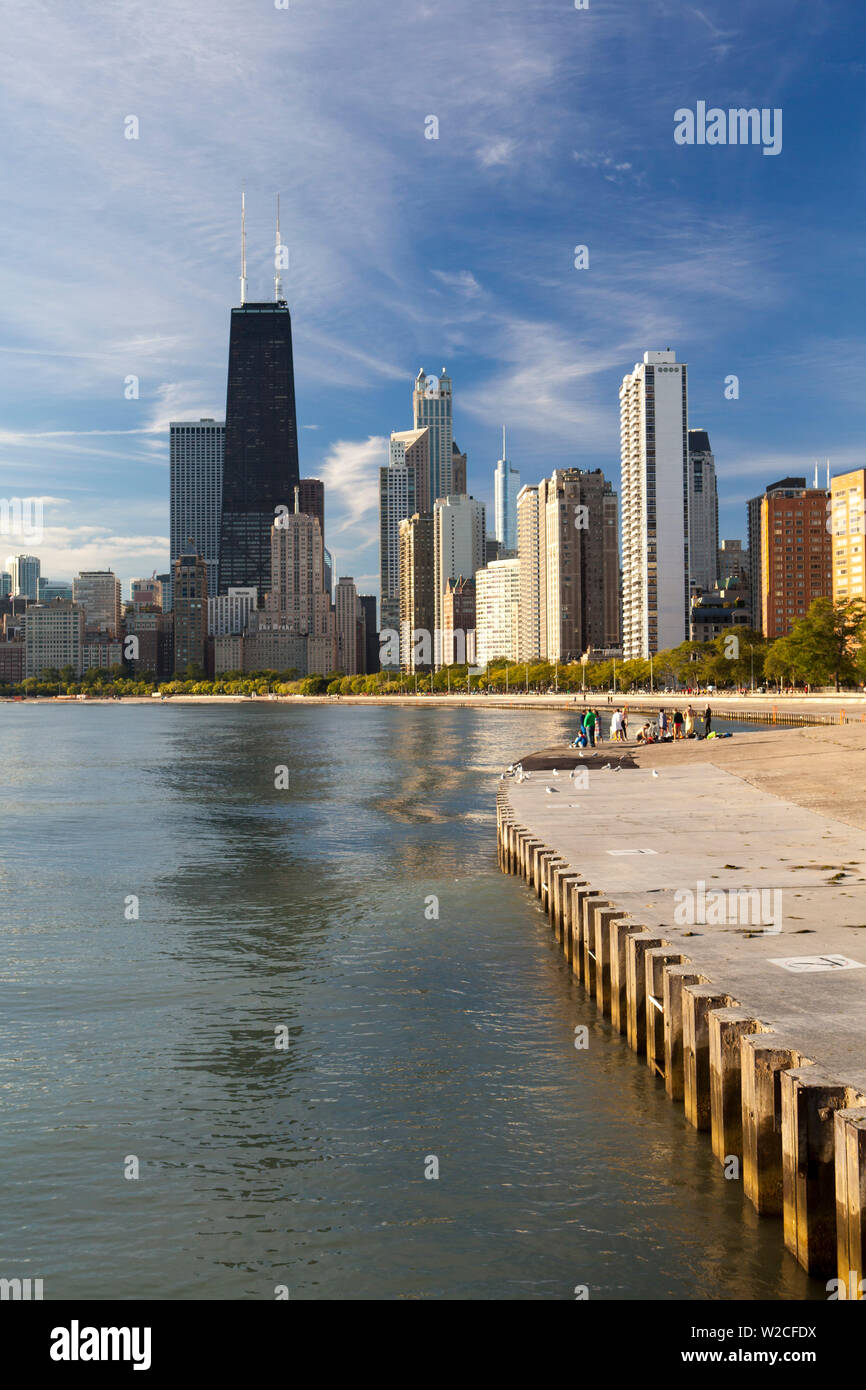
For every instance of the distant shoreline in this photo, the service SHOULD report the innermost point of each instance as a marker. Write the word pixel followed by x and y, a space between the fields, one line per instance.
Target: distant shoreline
pixel 844 707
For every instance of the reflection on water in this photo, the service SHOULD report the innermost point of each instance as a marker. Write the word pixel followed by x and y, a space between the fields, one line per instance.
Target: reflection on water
pixel 310 909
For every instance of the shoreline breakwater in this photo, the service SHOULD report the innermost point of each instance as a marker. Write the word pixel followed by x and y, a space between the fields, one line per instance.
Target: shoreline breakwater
pixel 722 929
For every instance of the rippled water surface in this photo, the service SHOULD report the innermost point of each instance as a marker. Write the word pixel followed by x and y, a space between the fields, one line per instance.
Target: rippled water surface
pixel 410 1037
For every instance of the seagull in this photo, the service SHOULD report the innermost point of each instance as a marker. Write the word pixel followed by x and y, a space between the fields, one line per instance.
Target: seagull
pixel 606 767
pixel 555 773
pixel 581 755
pixel 550 789
pixel 655 774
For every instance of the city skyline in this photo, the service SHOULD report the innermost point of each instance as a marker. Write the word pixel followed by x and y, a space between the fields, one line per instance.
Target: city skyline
pixel 149 263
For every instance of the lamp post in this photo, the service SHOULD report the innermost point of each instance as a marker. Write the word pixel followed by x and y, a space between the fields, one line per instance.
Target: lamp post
pixel 526 679
pixel 651 673
pixel 583 660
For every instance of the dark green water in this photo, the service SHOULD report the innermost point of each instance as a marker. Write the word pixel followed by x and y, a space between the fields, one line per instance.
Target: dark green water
pixel 305 909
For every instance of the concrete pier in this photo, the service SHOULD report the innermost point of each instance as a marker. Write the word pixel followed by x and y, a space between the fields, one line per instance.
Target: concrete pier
pixel 723 930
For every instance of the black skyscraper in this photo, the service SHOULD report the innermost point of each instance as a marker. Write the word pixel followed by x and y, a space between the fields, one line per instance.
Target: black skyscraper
pixel 260 469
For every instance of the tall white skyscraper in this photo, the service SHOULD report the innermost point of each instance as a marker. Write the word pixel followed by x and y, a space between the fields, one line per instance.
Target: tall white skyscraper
pixel 533 637
pixel 196 482
pixel 655 498
pixel 506 488
pixel 703 513
pixel 398 486
pixel 459 534
pixel 25 571
pixel 497 611
pixel 431 408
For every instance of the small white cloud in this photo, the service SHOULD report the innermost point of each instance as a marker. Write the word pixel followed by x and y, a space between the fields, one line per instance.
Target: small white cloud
pixel 615 171
pixel 462 280
pixel 499 152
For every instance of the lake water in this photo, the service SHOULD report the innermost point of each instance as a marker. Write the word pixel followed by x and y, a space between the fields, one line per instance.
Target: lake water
pixel 409 1038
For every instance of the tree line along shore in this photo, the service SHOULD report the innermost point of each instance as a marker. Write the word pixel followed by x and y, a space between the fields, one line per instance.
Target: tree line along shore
pixel 825 648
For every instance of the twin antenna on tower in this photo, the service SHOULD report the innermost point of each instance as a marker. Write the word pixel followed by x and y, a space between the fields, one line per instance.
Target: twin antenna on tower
pixel 278 284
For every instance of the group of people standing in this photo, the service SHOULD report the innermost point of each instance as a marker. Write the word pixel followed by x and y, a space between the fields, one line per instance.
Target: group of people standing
pixel 679 724
pixel 682 723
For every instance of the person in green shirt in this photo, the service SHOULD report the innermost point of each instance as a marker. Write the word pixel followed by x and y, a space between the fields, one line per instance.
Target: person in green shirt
pixel 589 725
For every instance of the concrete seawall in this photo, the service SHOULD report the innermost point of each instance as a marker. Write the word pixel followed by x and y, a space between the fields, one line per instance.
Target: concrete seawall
pixel 722 929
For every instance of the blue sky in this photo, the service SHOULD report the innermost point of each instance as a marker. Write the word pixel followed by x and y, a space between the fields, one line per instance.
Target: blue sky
pixel 555 129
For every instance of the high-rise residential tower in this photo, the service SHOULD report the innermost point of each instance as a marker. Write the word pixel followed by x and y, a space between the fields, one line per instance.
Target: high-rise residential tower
pixel 196 484
pixel 568 566
pixel 796 550
pixel 458 622
pixel 655 502
pixel 298 602
pixel 532 640
pixel 25 570
pixel 190 612
pixel 416 592
pixel 703 513
pixel 371 633
pixel 98 593
pixel 54 637
pixel 506 488
pixel 431 409
pixel 459 532
pixel 350 627
pixel 398 483
pixel 848 535
pixel 260 468
pixel 497 611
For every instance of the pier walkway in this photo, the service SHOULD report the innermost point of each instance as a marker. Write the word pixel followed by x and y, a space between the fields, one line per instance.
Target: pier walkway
pixel 722 927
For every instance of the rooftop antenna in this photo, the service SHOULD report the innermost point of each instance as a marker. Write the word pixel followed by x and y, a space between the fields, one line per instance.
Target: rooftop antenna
pixel 504 455
pixel 278 284
pixel 828 475
pixel 243 248
pixel 816 473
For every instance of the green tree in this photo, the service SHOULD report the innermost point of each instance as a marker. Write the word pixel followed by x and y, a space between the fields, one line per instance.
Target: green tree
pixel 821 645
